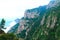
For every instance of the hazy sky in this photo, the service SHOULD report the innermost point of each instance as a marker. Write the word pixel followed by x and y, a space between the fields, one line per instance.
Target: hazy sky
pixel 12 9
pixel 16 8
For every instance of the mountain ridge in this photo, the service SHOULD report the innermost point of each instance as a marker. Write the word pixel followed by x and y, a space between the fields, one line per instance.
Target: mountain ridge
pixel 45 26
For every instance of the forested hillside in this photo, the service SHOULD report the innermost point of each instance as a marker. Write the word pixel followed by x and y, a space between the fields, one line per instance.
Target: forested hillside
pixel 45 27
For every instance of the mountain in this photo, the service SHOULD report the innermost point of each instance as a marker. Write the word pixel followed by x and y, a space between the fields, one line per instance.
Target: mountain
pixel 14 29
pixel 12 25
pixel 45 26
pixel 31 13
pixel 53 3
pixel 30 16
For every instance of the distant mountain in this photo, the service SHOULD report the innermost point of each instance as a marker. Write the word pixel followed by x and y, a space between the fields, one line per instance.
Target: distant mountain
pixel 14 29
pixel 17 20
pixel 11 26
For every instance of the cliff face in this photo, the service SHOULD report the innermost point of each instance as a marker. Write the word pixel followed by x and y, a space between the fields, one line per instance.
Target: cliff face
pixel 29 17
pixel 47 27
pixel 53 3
pixel 32 13
pixel 44 26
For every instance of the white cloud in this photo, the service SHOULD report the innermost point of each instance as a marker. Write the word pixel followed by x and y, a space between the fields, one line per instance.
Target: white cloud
pixel 16 8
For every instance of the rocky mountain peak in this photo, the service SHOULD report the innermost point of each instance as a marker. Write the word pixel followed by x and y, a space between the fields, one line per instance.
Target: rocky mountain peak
pixel 53 3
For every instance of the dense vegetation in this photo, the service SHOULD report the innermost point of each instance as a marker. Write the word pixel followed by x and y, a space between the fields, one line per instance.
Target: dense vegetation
pixel 46 27
pixel 5 36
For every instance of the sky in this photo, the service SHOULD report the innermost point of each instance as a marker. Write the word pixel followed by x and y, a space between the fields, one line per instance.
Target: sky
pixel 12 9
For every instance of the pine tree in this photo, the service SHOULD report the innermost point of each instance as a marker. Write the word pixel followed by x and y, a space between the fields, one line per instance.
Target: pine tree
pixel 2 26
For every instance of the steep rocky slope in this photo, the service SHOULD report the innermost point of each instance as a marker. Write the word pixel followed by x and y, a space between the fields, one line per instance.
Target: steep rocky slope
pixel 44 27
pixel 53 3
pixel 47 27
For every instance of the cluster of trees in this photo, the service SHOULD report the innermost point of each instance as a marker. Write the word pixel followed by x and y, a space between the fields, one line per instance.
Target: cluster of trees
pixel 6 36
